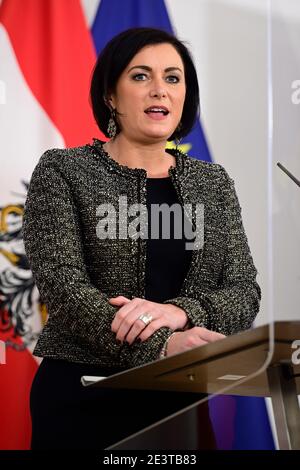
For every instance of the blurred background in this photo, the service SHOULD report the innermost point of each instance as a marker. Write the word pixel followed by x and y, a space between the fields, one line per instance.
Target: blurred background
pixel 248 64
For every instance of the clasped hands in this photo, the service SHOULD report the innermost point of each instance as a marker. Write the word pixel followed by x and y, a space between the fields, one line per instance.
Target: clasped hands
pixel 129 328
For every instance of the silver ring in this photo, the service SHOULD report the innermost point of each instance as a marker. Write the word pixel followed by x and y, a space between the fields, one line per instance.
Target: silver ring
pixel 146 318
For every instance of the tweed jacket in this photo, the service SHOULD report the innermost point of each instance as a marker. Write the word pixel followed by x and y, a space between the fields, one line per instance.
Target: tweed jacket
pixel 76 272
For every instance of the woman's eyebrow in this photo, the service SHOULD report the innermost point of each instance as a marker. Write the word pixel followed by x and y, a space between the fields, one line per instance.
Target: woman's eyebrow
pixel 146 67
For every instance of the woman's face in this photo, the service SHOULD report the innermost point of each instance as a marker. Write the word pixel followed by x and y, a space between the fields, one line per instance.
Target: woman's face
pixel 150 94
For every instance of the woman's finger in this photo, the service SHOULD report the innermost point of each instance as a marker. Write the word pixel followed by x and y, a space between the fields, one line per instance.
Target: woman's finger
pixel 118 300
pixel 209 335
pixel 121 315
pixel 141 332
pixel 131 321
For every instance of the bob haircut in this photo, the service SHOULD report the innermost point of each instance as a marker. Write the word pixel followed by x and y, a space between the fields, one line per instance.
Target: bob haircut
pixel 115 57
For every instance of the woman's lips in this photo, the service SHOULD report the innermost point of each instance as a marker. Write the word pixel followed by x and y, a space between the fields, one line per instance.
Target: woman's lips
pixel 156 116
pixel 157 112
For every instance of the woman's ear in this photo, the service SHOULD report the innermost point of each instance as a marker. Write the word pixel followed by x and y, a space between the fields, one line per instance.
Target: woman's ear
pixel 109 101
pixel 106 100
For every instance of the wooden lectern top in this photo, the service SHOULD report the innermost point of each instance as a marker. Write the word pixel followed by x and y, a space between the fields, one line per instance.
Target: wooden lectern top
pixel 237 363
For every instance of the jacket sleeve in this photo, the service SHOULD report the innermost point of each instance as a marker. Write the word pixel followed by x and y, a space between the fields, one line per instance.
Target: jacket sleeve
pixel 233 306
pixel 53 245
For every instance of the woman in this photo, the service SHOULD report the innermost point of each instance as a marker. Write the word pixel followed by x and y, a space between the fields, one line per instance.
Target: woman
pixel 117 297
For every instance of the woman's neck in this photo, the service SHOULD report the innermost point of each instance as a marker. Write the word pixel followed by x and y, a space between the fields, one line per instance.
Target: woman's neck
pixel 151 157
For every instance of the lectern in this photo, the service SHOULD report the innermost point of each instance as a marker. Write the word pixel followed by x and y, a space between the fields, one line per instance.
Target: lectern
pixel 259 362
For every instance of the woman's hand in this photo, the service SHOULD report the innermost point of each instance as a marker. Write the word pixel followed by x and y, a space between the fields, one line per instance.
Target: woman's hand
pixel 196 336
pixel 128 327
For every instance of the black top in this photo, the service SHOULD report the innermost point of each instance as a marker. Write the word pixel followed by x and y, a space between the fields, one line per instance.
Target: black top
pixel 167 260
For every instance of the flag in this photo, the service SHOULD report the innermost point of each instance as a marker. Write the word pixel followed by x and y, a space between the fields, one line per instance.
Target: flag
pixel 241 423
pixel 46 62
pixel 236 420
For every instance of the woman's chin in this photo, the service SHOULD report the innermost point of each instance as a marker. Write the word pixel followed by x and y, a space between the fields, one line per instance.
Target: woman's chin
pixel 156 134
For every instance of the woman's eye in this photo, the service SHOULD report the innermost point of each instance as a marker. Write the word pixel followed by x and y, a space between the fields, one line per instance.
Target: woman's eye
pixel 173 79
pixel 142 76
pixel 139 76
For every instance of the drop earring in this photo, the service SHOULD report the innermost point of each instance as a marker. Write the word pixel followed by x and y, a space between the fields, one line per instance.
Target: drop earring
pixel 178 139
pixel 112 128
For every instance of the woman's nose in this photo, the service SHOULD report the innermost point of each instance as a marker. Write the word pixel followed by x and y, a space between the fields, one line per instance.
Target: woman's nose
pixel 157 92
pixel 158 89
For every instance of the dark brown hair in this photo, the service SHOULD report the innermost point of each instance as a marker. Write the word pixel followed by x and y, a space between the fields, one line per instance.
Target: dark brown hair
pixel 115 57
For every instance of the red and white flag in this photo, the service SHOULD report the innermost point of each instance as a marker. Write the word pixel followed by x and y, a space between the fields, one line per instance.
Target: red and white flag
pixel 46 61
